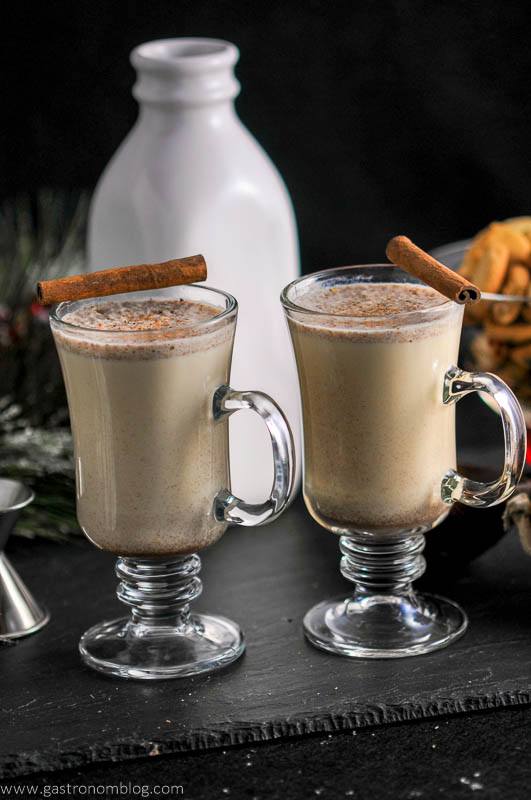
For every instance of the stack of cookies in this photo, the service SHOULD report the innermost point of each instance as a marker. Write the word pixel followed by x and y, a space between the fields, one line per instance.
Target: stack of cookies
pixel 499 261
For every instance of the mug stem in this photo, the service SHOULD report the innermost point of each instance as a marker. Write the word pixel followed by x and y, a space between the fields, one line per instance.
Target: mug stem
pixel 162 638
pixel 159 592
pixel 384 617
pixel 384 566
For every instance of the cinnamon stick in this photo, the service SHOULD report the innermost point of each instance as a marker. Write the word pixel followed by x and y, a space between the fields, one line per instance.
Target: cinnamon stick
pixel 402 252
pixel 139 277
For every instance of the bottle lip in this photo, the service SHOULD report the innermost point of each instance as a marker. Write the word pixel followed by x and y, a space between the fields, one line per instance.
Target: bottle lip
pixel 187 54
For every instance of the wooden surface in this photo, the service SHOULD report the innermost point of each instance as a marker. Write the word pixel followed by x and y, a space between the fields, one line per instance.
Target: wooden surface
pixel 56 713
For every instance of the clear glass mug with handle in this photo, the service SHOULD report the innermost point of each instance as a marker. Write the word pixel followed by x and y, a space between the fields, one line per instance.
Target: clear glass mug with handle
pixel 149 409
pixel 378 404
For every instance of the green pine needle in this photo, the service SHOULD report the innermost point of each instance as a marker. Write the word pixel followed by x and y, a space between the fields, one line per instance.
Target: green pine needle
pixel 40 238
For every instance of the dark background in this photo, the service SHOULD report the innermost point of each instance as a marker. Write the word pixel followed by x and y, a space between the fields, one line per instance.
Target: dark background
pixel 383 117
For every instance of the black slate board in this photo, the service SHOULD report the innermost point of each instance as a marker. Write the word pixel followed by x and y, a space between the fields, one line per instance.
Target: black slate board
pixel 56 713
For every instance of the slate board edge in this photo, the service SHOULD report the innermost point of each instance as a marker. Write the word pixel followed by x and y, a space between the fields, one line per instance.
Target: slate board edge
pixel 49 760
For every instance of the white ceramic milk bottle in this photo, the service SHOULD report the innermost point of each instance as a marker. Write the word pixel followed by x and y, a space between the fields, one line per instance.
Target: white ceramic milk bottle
pixel 189 178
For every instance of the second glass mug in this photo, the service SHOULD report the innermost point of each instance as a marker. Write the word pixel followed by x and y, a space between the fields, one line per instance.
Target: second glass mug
pixel 149 414
pixel 378 404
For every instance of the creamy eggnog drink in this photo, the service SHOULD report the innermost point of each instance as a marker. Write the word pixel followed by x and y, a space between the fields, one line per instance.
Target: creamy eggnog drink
pixel 378 438
pixel 376 353
pixel 140 377
pixel 147 380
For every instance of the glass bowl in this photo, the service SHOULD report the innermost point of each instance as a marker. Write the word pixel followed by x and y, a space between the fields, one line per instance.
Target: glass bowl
pixel 472 353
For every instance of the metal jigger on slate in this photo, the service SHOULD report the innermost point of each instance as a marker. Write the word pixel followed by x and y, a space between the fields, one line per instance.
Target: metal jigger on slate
pixel 20 614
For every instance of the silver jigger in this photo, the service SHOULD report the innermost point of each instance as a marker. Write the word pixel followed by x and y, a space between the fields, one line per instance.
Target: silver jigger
pixel 20 614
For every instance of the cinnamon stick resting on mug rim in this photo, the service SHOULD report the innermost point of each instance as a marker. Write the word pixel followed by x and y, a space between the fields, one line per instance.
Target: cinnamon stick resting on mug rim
pixel 402 252
pixel 118 280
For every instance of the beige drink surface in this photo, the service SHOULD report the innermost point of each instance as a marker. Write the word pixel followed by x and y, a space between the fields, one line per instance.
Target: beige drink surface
pixel 149 456
pixel 377 437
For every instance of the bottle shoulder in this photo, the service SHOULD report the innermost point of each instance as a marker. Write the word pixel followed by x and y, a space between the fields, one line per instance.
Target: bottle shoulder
pixel 159 191
pixel 202 153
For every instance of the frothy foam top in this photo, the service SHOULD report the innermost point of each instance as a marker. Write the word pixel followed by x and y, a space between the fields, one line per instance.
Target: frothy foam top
pixel 373 311
pixel 141 315
pixel 163 328
pixel 370 299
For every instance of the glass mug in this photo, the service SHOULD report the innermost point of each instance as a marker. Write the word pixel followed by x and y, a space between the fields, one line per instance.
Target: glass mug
pixel 149 413
pixel 378 404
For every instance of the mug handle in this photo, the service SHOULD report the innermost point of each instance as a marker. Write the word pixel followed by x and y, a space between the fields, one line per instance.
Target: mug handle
pixel 231 509
pixel 457 384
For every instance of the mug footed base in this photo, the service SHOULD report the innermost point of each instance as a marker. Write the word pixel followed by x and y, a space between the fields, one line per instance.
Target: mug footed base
pixel 384 626
pixel 127 649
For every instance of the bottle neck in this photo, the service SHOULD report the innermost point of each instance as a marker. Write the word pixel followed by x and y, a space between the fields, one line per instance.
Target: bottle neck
pixel 196 75
pixel 162 117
